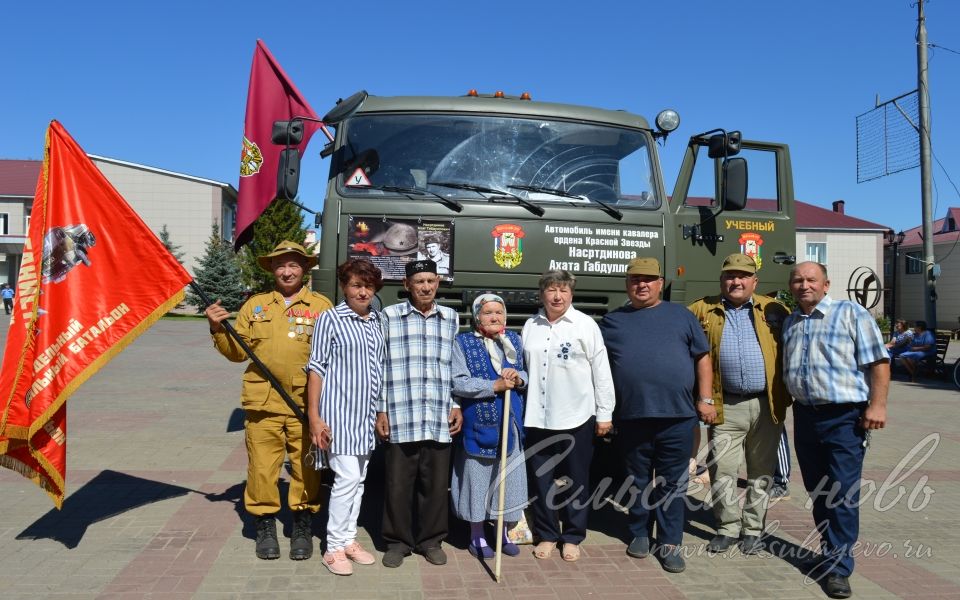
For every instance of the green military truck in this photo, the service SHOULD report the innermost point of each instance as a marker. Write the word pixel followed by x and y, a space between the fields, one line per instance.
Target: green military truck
pixel 498 189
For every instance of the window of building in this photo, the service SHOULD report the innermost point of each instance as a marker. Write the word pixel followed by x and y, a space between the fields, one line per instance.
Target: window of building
pixel 4 221
pixel 817 252
pixel 914 263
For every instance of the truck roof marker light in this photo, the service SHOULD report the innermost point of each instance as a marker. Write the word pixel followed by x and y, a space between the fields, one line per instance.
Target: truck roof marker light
pixel 473 93
pixel 525 96
pixel 681 270
pixel 499 94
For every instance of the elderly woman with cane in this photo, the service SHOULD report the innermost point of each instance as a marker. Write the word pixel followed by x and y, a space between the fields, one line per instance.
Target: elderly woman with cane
pixel 487 366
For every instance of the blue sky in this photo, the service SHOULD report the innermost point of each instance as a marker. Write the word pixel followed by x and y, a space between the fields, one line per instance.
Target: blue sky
pixel 164 84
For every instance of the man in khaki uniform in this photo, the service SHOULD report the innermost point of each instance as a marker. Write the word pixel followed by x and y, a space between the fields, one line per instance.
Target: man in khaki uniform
pixel 278 327
pixel 749 396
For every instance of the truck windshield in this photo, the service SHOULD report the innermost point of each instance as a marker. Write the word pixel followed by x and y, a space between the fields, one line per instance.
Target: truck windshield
pixel 538 160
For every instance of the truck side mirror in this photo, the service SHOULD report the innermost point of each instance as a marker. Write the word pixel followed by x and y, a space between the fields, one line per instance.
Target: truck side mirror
pixel 723 145
pixel 287 133
pixel 734 184
pixel 288 174
pixel 345 108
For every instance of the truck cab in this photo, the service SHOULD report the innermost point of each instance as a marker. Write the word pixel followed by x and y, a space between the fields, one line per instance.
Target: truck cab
pixel 499 189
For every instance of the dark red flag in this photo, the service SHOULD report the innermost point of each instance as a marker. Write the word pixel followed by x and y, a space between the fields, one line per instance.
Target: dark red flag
pixel 270 97
pixel 92 279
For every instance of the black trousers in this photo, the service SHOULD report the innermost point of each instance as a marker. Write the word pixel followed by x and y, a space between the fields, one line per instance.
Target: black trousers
pixel 417 477
pixel 568 507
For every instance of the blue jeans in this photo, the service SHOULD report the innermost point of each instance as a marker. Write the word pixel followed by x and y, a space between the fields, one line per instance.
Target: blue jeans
pixel 829 443
pixel 658 446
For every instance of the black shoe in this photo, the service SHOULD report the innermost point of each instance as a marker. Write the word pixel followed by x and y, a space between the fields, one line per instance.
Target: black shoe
pixel 751 544
pixel 301 540
pixel 720 543
pixel 393 558
pixel 838 586
pixel 639 547
pixel 670 559
pixel 435 555
pixel 267 546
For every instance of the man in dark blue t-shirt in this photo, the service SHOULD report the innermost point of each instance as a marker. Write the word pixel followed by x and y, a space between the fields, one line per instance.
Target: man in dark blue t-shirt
pixel 658 354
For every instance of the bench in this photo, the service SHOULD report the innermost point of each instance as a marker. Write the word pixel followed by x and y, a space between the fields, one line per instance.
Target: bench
pixel 935 365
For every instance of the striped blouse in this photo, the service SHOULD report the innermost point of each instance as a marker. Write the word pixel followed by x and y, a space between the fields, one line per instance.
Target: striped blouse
pixel 348 353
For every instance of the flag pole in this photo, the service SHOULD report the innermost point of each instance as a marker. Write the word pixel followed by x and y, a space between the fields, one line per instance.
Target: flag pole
pixel 253 357
pixel 504 447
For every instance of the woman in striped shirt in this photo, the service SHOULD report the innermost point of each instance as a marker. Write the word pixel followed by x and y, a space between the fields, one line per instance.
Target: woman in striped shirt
pixel 345 374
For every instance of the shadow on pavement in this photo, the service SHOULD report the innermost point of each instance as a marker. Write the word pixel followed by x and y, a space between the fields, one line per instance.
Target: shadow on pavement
pixel 108 494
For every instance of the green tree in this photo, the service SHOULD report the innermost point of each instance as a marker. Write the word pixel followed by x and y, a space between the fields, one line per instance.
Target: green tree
pixel 172 248
pixel 280 221
pixel 218 274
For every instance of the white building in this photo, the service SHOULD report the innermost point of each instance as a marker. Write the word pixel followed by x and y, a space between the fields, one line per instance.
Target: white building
pixel 911 272
pixel 189 206
pixel 843 244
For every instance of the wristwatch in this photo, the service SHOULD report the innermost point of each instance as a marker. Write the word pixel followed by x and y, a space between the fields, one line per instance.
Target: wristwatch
pixel 707 401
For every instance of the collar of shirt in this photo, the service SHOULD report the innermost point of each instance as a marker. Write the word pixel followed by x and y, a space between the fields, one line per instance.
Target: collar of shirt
pixel 343 311
pixel 823 307
pixel 566 316
pixel 277 298
pixel 727 305
pixel 409 308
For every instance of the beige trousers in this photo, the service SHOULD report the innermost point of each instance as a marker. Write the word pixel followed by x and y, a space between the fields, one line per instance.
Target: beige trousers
pixel 270 438
pixel 748 432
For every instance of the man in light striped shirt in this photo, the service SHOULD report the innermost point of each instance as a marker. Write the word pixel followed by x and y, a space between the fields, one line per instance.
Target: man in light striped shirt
pixel 416 416
pixel 837 369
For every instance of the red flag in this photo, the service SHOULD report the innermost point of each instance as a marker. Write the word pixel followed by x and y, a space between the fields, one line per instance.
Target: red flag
pixel 93 278
pixel 270 97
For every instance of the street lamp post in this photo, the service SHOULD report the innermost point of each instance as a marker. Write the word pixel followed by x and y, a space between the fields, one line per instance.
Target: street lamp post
pixel 894 240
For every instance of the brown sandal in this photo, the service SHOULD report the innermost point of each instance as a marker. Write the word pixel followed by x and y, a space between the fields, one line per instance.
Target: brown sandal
pixel 571 552
pixel 544 550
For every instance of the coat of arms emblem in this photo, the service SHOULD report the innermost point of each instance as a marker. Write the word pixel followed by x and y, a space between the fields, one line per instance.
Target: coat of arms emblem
pixel 508 245
pixel 750 245
pixel 250 158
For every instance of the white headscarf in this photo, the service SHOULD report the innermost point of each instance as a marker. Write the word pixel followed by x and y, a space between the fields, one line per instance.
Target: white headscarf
pixel 490 342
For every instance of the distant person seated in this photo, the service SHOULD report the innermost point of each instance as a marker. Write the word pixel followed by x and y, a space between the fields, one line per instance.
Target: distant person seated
pixel 924 346
pixel 901 340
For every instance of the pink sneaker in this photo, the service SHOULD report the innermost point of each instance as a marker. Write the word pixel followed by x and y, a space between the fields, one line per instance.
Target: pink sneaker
pixel 357 554
pixel 336 562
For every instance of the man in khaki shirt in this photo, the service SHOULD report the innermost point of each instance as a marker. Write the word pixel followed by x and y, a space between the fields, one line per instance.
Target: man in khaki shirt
pixel 278 327
pixel 748 401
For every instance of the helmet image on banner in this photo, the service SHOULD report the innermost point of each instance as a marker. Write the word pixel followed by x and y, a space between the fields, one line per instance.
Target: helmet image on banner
pixel 399 239
pixel 63 249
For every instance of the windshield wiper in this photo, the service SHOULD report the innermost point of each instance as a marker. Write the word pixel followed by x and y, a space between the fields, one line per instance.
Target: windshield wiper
pixel 411 192
pixel 480 189
pixel 610 210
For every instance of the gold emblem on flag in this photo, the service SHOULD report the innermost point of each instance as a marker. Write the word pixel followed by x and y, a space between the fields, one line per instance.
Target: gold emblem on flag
pixel 250 158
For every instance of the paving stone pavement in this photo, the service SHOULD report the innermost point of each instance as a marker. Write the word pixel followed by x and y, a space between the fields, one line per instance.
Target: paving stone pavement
pixel 156 467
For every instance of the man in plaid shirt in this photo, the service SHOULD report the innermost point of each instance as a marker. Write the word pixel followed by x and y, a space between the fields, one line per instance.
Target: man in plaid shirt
pixel 417 418
pixel 837 369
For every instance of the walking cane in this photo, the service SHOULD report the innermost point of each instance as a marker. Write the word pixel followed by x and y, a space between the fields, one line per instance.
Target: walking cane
pixel 504 446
